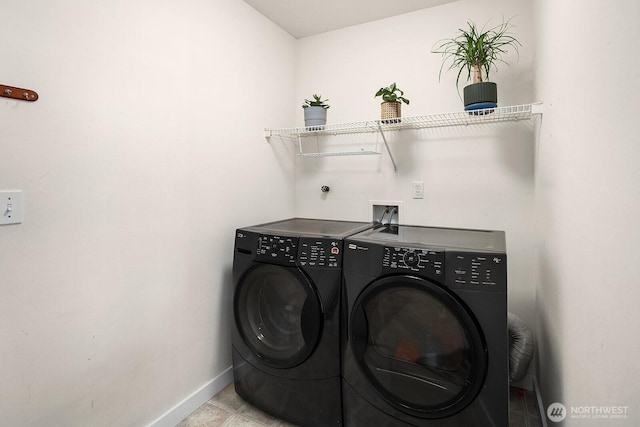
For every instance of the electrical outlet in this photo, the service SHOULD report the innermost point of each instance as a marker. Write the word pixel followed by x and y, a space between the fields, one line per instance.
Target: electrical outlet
pixel 418 189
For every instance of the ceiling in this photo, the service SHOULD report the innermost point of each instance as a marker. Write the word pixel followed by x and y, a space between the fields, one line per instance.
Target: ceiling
pixel 302 18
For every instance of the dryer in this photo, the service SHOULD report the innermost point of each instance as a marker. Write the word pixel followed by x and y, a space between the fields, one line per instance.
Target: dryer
pixel 286 332
pixel 425 339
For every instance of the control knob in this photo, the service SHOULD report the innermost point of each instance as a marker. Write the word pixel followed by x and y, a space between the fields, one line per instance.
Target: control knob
pixel 411 258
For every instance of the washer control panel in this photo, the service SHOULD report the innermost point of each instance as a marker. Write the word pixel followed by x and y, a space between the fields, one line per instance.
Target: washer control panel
pixel 427 262
pixel 319 252
pixel 303 251
pixel 277 249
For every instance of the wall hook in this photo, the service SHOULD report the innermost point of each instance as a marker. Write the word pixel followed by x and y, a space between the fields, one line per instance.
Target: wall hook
pixel 18 93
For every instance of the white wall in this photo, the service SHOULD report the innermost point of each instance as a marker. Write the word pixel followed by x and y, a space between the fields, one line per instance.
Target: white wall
pixel 476 177
pixel 589 205
pixel 145 150
pixel 143 153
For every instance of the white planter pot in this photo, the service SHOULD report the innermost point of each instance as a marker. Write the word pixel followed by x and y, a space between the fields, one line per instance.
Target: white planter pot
pixel 315 117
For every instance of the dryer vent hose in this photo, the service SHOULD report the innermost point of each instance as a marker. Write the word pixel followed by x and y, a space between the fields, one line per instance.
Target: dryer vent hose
pixel 520 347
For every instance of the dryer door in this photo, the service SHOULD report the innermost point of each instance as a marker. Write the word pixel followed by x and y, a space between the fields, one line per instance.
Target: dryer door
pixel 278 314
pixel 418 346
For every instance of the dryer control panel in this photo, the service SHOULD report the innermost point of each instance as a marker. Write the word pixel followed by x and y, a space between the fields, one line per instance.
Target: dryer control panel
pixel 426 262
pixel 478 271
pixel 277 249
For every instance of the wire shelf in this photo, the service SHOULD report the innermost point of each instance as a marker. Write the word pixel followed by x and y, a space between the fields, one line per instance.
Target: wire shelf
pixel 370 126
pixel 458 118
pixel 381 126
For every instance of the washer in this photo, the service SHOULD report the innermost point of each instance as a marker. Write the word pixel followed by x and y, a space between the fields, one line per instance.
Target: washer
pixel 286 334
pixel 425 328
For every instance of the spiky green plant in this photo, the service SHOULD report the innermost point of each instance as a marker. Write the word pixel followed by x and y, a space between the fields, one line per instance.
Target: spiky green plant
pixel 389 94
pixel 477 50
pixel 316 102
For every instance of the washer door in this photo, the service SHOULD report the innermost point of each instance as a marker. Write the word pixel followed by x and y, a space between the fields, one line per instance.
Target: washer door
pixel 418 346
pixel 278 314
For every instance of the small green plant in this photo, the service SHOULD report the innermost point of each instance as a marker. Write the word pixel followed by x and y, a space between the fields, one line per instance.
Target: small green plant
pixel 389 94
pixel 316 102
pixel 477 50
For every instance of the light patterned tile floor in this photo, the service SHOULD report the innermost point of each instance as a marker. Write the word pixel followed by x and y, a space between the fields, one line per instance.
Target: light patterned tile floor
pixel 227 409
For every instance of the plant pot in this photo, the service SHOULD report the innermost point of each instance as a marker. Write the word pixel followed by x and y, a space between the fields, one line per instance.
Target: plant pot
pixel 315 118
pixel 390 111
pixel 480 96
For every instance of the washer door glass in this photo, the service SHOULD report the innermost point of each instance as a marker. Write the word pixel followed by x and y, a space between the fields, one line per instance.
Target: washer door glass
pixel 418 346
pixel 278 314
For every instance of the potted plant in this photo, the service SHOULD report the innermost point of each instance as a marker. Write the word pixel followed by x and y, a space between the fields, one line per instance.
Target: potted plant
pixel 390 106
pixel 477 51
pixel 315 112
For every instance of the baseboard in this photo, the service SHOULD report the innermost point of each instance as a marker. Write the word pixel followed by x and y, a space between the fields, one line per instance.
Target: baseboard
pixel 543 413
pixel 173 416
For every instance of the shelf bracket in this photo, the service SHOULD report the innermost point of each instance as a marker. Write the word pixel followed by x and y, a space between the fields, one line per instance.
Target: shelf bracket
pixel 300 150
pixel 18 93
pixel 384 138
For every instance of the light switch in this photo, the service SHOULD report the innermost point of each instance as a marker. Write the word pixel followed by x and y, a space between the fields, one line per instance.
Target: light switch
pixel 10 207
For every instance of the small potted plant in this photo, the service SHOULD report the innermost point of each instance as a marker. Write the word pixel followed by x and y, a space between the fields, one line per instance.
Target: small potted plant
pixel 477 51
pixel 390 107
pixel 315 112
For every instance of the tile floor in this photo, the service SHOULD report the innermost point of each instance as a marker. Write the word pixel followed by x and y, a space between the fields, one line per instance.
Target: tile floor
pixel 227 409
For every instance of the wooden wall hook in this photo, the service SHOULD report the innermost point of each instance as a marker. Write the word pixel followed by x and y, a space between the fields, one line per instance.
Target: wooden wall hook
pixel 18 93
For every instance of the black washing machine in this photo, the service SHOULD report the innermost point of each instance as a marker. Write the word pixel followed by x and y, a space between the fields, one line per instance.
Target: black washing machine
pixel 425 330
pixel 286 335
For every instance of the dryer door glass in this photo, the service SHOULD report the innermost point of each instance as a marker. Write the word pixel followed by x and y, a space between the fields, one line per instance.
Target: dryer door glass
pixel 418 345
pixel 278 314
